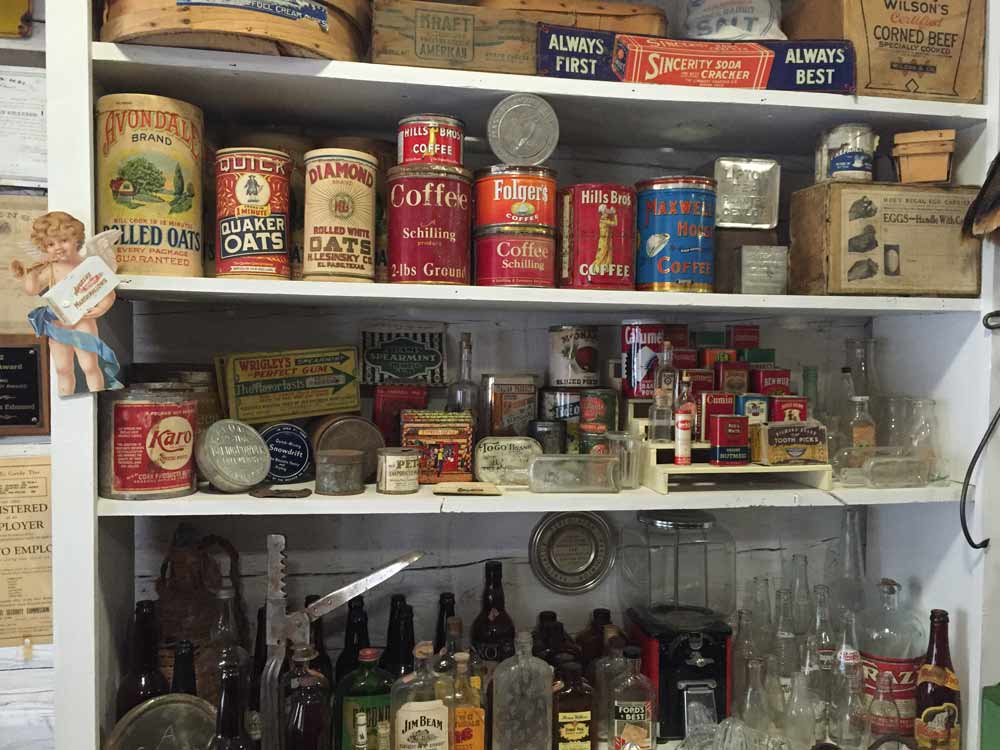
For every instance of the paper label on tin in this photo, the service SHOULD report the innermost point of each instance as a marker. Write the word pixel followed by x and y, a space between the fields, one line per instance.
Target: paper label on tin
pixel 151 447
pixel 515 260
pixel 291 453
pixel 293 10
pixel 573 356
pixel 427 141
pixel 340 216
pixel 404 350
pixel 398 474
pixel 429 232
pixel 598 237
pixel 516 199
pixel 676 242
pixel 513 406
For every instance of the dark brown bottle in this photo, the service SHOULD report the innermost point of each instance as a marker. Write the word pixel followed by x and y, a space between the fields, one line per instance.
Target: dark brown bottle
pixel 355 638
pixel 400 661
pixel 446 609
pixel 183 679
pixel 259 659
pixel 321 663
pixel 591 639
pixel 493 629
pixel 230 733
pixel 144 680
pixel 396 604
pixel 572 705
pixel 939 700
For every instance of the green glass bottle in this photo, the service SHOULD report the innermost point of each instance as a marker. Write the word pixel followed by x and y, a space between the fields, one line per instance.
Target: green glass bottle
pixel 365 689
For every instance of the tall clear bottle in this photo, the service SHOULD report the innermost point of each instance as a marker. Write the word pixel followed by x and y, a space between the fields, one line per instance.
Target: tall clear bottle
pixel 607 669
pixel 761 607
pixel 445 657
pixel 422 715
pixel 463 394
pixel 786 644
pixel 742 653
pixel 841 411
pixel 661 413
pixel 923 435
pixel 847 584
pixel 802 605
pixel 824 641
pixel 633 712
pixel 753 707
pixel 848 716
pixel 775 693
pixel 224 633
pixel 848 656
pixel 522 700
pixel 883 713
pixel 800 720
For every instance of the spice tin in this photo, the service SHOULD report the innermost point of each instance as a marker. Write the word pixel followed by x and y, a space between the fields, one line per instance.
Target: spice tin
pixel 349 431
pixel 403 350
pixel 748 192
pixel 594 444
pixel 753 406
pixel 708 356
pixel 756 355
pixel 430 138
pixel 515 256
pixel 701 380
pixel 398 471
pixel 291 453
pixel 340 216
pixel 678 334
pixel 252 213
pixel 550 434
pixel 510 403
pixel 429 213
pixel 444 440
pixel 729 440
pixel 676 234
pixel 149 182
pixel 641 344
pixel 340 471
pixel 147 440
pixel 711 403
pixel 573 356
pixel 390 400
pixel 598 410
pixel 233 456
pixel 787 409
pixel 504 460
pixel 743 337
pixel 515 195
pixel 702 339
pixel 597 244
pixel 732 377
pixel 773 381
pixel 563 405
pixel 685 358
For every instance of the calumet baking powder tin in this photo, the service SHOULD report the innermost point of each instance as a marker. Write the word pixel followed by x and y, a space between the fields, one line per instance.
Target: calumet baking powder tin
pixel 676 234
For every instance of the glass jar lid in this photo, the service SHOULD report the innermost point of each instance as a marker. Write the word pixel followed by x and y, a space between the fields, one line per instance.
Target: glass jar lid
pixel 676 519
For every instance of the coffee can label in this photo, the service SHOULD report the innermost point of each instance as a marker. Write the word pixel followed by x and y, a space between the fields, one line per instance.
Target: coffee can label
pixel 597 247
pixel 430 140
pixel 511 259
pixel 676 236
pixel 516 197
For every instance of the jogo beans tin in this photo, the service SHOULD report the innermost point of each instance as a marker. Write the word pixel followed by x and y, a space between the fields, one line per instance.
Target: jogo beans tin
pixel 676 234
pixel 430 139
pixel 597 246
pixel 515 195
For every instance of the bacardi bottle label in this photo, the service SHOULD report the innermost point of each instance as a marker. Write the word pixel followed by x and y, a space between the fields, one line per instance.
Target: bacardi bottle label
pixel 470 728
pixel 573 730
pixel 632 725
pixel 904 687
pixel 422 725
pixel 375 707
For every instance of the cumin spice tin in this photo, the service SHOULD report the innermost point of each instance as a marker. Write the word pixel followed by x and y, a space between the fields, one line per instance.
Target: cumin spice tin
pixel 676 234
pixel 642 341
pixel 515 195
pixel 430 207
pixel 597 245
pixel 516 256
pixel 430 138
pixel 252 204
pixel 339 216
pixel 573 356
pixel 149 182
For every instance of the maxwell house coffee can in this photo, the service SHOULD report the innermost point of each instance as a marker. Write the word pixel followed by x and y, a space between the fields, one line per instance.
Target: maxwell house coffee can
pixel 676 234
pixel 597 248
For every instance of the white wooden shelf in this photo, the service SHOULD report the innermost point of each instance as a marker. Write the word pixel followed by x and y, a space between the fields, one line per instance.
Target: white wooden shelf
pixel 373 97
pixel 329 293
pixel 517 500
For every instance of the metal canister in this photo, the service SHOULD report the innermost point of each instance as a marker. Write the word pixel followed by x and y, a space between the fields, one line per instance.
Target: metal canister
pixel 597 243
pixel 430 139
pixel 563 405
pixel 349 431
pixel 598 410
pixel 291 452
pixel 573 356
pixel 846 152
pixel 676 234
pixel 594 443
pixel 147 440
pixel 747 192
pixel 549 433
pixel 516 256
pixel 340 216
pixel 149 182
pixel 429 224
pixel 340 471
pixel 252 232
pixel 641 343
pixel 233 456
pixel 398 471
pixel 515 195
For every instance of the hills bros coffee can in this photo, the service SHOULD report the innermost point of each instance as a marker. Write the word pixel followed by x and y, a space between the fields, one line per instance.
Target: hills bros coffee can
pixel 251 209
pixel 429 214
pixel 597 250
pixel 641 344
pixel 430 139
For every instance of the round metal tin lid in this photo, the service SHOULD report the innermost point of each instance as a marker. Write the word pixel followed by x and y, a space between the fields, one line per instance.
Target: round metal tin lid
pixel 572 552
pixel 523 129
pixel 429 170
pixel 233 456
pixel 340 457
pixel 675 182
pixel 189 720
pixel 499 170
pixel 531 230
pixel 676 519
pixel 252 150
pixel 432 117
pixel 352 432
pixel 291 452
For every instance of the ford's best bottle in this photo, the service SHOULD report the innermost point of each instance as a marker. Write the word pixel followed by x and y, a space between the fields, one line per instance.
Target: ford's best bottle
pixel 633 722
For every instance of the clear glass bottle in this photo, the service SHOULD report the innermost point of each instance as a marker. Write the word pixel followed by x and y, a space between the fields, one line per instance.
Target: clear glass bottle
pixel 800 721
pixel 463 394
pixel 802 604
pixel 661 413
pixel 421 718
pixel 632 707
pixel 848 656
pixel 753 707
pixel 841 410
pixel 607 670
pixel 922 437
pixel 810 388
pixel 522 700
pixel 365 690
pixel 685 417
pixel 761 607
pixel 892 428
pixel 883 713
pixel 224 632
pixel 824 643
pixel 572 710
pixel 470 718
pixel 847 584
pixel 862 426
pixel 848 717
pixel 775 692
pixel 742 654
pixel 786 644
pixel 817 683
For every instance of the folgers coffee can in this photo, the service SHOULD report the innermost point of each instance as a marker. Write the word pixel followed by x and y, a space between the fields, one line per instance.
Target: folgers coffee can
pixel 641 344
pixel 430 139
pixel 149 182
pixel 340 216
pixel 430 207
pixel 598 410
pixel 573 356
pixel 597 246
pixel 515 195
pixel 563 405
pixel 676 234
pixel 252 210
pixel 515 256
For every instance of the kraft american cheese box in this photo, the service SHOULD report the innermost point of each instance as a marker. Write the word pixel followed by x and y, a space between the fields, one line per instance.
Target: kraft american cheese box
pixel 565 52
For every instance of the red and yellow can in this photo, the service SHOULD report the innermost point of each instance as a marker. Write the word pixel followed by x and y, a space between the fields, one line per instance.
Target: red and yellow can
pixel 597 247
pixel 430 139
pixel 515 195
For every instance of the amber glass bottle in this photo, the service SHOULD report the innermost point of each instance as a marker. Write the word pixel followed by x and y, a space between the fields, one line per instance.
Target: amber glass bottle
pixel 939 704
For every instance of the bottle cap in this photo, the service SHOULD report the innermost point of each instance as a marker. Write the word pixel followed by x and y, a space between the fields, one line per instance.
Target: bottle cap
pixel 423 650
pixel 368 655
pixel 447 596
pixel 494 567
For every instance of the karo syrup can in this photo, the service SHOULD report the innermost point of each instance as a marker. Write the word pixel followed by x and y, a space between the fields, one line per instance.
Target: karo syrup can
pixel 597 248
pixel 516 256
pixel 252 213
pixel 515 195
pixel 641 344
pixel 676 234
pixel 429 213
pixel 430 139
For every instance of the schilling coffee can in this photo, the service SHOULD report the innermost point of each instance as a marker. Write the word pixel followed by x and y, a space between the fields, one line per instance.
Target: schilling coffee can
pixel 597 247
pixel 573 356
pixel 340 216
pixel 515 195
pixel 516 256
pixel 252 213
pixel 429 213
pixel 430 139
pixel 676 228
pixel 641 344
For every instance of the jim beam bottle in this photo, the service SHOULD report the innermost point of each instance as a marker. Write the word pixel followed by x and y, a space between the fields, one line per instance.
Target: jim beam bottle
pixel 939 705
pixel 421 718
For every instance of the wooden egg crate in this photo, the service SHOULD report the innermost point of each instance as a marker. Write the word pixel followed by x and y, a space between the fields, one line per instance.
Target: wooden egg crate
pixel 659 472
